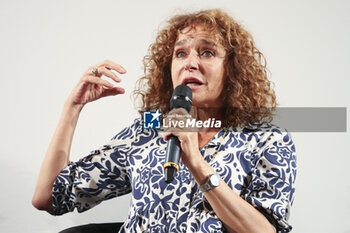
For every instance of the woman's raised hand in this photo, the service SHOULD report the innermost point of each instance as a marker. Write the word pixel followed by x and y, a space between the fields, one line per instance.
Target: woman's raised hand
pixel 92 87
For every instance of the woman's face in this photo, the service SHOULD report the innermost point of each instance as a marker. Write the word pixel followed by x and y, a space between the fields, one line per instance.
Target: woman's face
pixel 199 62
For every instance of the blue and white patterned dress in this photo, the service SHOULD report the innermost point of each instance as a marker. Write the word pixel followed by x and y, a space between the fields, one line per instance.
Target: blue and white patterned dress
pixel 257 162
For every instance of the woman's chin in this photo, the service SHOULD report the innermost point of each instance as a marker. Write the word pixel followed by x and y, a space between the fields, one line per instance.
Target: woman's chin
pixel 198 103
pixel 205 103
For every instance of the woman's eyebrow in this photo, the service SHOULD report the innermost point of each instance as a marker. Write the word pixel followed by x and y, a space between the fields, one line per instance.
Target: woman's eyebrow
pixel 208 42
pixel 180 42
pixel 204 41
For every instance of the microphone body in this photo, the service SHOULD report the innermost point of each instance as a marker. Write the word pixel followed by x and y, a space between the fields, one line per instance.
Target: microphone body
pixel 181 98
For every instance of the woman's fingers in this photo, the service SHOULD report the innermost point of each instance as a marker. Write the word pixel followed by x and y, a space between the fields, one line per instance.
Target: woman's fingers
pixel 106 72
pixel 177 119
pixel 104 68
pixel 92 87
pixel 167 134
pixel 113 91
pixel 112 66
pixel 99 81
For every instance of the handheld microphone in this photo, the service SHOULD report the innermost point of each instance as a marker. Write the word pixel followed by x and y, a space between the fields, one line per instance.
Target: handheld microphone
pixel 181 98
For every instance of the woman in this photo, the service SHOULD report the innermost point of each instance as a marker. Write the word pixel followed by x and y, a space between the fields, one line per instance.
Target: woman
pixel 253 161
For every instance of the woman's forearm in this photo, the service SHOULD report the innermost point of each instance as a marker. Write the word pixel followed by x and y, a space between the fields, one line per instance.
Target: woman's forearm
pixel 237 214
pixel 57 156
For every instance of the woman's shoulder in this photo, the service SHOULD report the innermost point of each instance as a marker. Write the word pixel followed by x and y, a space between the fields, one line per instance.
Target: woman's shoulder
pixel 271 136
pixel 262 133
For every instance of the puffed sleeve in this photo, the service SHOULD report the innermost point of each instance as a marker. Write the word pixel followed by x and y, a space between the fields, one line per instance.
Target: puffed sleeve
pixel 101 175
pixel 271 189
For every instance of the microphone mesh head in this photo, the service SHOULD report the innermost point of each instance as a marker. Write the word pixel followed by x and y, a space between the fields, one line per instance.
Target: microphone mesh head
pixel 181 98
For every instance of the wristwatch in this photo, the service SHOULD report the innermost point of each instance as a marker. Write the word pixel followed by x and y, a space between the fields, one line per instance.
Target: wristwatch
pixel 212 182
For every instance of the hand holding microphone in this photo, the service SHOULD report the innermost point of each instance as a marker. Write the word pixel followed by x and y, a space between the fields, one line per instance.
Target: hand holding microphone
pixel 181 98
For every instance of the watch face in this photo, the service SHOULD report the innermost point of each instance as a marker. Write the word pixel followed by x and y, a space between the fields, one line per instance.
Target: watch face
pixel 215 180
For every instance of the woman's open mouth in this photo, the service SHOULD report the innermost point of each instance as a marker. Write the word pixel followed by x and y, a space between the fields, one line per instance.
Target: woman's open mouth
pixel 192 82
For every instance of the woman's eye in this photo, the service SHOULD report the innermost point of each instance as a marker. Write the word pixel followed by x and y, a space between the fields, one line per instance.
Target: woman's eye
pixel 180 54
pixel 207 53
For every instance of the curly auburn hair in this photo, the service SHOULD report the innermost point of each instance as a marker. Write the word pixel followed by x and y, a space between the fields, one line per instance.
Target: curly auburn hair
pixel 248 95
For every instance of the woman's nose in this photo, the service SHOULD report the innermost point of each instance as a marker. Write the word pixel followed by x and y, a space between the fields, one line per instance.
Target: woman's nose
pixel 192 61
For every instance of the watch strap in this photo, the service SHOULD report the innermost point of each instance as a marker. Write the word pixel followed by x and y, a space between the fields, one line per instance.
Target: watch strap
pixel 205 187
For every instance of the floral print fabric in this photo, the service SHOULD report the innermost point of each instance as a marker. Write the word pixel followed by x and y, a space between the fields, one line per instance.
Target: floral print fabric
pixel 257 162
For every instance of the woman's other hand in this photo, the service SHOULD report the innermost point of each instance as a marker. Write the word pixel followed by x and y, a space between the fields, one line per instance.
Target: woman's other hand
pixel 91 86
